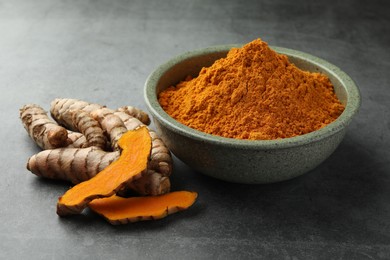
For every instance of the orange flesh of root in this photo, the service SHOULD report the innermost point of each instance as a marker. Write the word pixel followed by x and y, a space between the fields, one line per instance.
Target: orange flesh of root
pixel 136 146
pixel 119 210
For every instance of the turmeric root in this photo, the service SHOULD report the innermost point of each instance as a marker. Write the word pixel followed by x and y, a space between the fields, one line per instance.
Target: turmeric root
pixel 60 109
pixel 137 113
pixel 60 106
pixel 90 128
pixel 76 140
pixel 136 146
pixel 161 159
pixel 150 183
pixel 118 210
pixel 111 123
pixel 73 113
pixel 70 164
pixel 140 161
pixel 76 165
pixel 155 180
pixel 45 132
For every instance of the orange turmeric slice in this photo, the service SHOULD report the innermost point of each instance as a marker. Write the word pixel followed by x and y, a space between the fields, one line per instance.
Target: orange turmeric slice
pixel 136 147
pixel 119 210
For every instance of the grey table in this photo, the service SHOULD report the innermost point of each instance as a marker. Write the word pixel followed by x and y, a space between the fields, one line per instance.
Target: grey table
pixel 102 51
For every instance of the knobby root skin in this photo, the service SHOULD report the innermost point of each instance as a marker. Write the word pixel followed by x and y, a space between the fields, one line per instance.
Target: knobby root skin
pixel 92 120
pixel 118 210
pixel 90 128
pixel 71 164
pixel 150 183
pixel 61 106
pixel 137 160
pixel 61 110
pixel 161 158
pixel 130 122
pixel 160 162
pixel 76 140
pixel 110 123
pixel 136 147
pixel 137 113
pixel 45 132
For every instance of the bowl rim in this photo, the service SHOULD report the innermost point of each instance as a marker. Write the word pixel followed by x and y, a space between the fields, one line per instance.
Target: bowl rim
pixel 351 108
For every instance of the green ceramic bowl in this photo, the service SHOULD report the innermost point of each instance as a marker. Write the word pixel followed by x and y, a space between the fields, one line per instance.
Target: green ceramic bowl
pixel 247 161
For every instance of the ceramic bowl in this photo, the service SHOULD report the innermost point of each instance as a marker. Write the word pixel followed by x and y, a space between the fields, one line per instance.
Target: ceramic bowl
pixel 248 161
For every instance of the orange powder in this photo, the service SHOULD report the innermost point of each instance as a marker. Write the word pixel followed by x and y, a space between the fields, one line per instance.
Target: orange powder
pixel 253 93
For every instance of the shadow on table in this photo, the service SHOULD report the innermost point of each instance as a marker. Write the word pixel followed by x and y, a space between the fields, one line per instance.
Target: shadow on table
pixel 341 200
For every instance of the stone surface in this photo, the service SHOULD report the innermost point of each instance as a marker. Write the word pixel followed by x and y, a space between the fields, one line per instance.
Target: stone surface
pixel 102 51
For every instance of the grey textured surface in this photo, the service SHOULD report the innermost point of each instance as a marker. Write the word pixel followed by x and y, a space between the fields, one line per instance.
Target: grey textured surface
pixel 103 51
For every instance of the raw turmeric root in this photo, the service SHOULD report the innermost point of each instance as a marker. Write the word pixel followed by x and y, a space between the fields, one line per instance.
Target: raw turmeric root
pixel 71 164
pixel 137 161
pixel 76 140
pixel 118 210
pixel 46 133
pixel 77 165
pixel 110 123
pixel 135 112
pixel 136 146
pixel 155 180
pixel 90 128
pixel 150 183
pixel 161 159
pixel 61 109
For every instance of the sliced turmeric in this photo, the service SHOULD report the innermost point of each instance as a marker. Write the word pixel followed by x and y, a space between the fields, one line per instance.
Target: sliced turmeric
pixel 155 180
pixel 118 210
pixel 136 147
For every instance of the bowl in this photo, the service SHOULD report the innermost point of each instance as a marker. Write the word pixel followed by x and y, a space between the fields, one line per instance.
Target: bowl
pixel 248 161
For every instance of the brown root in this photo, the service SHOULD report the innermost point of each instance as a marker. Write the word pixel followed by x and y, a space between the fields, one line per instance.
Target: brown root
pixel 45 132
pixel 135 150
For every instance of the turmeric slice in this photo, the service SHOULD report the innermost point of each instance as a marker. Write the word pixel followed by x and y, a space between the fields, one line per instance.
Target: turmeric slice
pixel 136 147
pixel 119 210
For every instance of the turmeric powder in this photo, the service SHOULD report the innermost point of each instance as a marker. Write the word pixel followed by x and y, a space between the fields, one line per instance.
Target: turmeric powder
pixel 253 93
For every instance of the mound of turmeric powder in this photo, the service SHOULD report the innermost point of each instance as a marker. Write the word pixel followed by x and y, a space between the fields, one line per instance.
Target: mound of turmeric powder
pixel 253 93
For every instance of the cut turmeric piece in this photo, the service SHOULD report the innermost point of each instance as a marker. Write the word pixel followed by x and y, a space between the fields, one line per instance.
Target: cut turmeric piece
pixel 136 147
pixel 118 210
